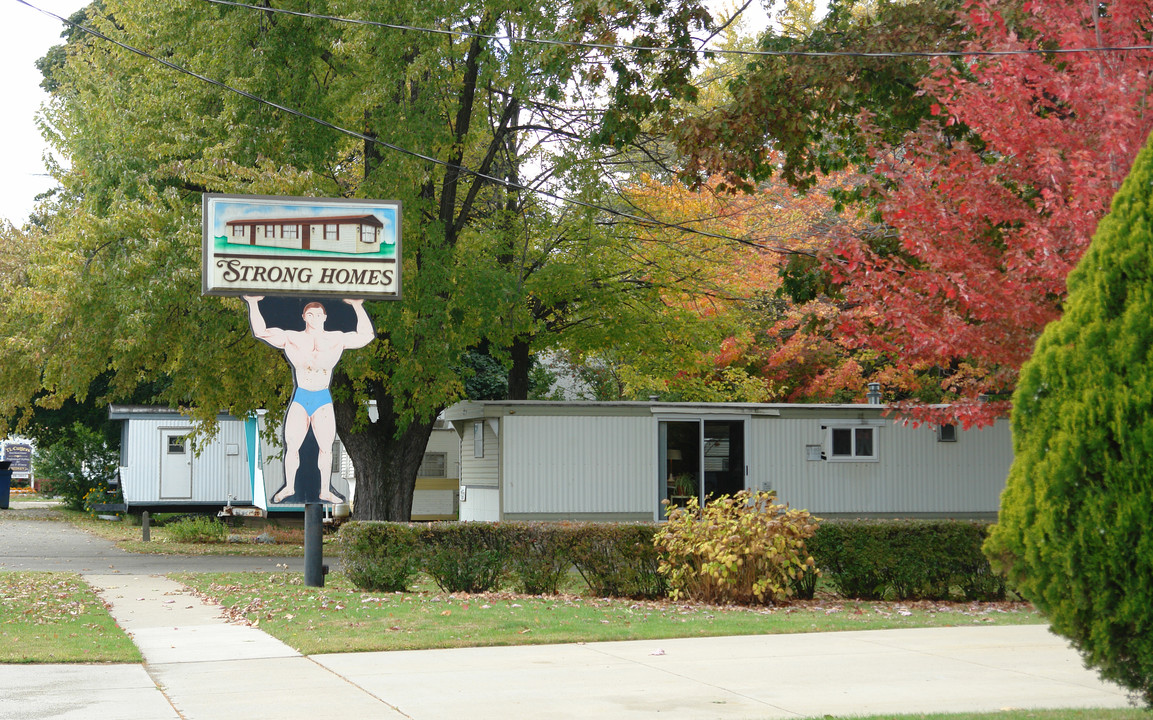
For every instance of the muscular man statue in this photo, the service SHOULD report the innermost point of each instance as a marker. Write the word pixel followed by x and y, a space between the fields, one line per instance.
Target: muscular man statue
pixel 313 353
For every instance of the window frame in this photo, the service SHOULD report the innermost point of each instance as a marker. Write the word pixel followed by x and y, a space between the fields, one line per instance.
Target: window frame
pixel 438 458
pixel 853 429
pixel 478 439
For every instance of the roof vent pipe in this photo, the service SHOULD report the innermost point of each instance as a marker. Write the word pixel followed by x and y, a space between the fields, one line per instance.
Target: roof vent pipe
pixel 874 395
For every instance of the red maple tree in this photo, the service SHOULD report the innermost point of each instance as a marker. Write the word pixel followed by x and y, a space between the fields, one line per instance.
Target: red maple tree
pixel 989 228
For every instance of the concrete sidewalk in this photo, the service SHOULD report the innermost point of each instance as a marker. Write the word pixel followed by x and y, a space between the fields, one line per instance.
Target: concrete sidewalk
pixel 199 666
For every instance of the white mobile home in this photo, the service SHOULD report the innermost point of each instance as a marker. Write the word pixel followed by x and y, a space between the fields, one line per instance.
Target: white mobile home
pixel 526 460
pixel 161 468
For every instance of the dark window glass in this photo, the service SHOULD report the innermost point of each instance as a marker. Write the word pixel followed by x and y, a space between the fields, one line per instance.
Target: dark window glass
pixel 842 442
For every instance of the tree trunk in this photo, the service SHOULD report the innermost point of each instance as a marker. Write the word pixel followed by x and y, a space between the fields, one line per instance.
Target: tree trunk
pixel 385 464
pixel 518 374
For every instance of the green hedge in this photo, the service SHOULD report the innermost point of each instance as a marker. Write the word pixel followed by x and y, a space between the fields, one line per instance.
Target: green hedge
pixel 617 560
pixel 863 559
pixel 614 559
pixel 464 557
pixel 380 556
pixel 906 559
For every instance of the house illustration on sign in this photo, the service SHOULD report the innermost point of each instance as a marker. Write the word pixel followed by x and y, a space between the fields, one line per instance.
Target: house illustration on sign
pixel 345 234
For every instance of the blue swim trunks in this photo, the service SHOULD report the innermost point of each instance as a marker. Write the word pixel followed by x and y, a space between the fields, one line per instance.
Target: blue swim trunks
pixel 311 400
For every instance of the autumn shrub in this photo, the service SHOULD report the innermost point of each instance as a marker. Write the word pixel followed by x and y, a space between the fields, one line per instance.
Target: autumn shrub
pixel 741 548
pixel 537 556
pixel 464 556
pixel 1075 530
pixel 906 559
pixel 199 529
pixel 615 559
pixel 380 556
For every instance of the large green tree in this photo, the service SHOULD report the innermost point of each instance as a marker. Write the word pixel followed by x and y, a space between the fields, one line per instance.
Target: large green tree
pixel 114 286
pixel 1075 531
pixel 796 112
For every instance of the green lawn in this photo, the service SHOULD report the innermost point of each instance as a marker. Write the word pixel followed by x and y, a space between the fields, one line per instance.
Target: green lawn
pixel 57 618
pixel 128 536
pixel 340 618
pixel 1091 714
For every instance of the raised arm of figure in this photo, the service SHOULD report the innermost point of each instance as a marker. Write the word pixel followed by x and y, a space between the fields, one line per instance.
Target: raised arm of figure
pixel 273 336
pixel 364 333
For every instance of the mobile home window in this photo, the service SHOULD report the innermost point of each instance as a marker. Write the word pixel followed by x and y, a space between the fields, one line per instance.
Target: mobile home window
pixel 269 231
pixel 367 233
pixel 434 465
pixel 330 232
pixel 289 232
pixel 852 443
pixel 478 439
pixel 175 444
pixel 238 231
pixel 947 433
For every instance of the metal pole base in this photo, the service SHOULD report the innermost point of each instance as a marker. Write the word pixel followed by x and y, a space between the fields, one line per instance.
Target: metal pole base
pixel 314 545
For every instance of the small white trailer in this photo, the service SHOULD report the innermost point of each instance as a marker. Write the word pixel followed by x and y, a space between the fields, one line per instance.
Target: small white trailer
pixel 165 465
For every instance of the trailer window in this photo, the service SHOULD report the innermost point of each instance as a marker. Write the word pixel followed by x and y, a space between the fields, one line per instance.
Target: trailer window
pixel 852 444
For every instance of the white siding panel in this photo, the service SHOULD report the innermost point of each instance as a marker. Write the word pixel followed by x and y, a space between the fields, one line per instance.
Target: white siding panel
pixel 480 505
pixel 433 502
pixel 579 464
pixel 914 474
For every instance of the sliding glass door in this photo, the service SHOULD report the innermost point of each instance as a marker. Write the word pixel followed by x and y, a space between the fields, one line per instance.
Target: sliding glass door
pixel 700 458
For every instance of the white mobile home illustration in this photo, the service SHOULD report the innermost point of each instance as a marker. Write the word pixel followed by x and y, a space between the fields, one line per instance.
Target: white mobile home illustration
pixel 348 233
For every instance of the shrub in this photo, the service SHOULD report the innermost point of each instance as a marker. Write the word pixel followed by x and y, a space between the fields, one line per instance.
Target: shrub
pixel 741 548
pixel 1076 525
pixel 102 496
pixel 464 556
pixel 616 559
pixel 77 463
pixel 380 556
pixel 906 559
pixel 537 556
pixel 851 559
pixel 199 529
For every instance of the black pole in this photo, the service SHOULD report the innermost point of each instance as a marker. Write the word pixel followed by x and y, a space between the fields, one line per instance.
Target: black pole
pixel 145 528
pixel 314 545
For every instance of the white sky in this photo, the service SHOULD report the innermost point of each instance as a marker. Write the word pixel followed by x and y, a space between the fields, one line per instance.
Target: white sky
pixel 25 36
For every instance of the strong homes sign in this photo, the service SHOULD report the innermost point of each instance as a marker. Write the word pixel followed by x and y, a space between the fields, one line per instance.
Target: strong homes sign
pixel 261 245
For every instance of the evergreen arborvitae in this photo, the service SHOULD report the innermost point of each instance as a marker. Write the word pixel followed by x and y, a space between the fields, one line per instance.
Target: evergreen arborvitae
pixel 1076 526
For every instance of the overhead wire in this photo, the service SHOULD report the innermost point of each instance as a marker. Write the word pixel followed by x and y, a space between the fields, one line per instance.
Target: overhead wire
pixel 650 222
pixel 687 50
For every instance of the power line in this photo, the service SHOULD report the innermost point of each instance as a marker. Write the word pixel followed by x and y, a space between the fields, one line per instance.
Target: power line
pixel 686 50
pixel 397 148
